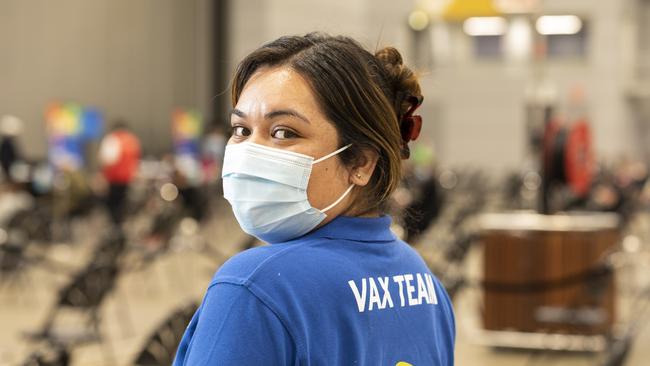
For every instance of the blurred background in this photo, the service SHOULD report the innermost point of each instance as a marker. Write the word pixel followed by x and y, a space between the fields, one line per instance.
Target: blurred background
pixel 527 192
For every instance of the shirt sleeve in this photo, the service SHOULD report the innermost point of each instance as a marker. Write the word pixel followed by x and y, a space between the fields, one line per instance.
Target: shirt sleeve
pixel 234 327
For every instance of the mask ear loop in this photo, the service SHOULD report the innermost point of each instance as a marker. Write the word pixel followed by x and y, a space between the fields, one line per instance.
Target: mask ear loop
pixel 331 154
pixel 338 200
pixel 349 188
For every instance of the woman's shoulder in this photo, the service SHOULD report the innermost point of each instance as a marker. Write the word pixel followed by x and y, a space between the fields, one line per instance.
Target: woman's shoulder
pixel 298 260
pixel 256 263
pixel 240 268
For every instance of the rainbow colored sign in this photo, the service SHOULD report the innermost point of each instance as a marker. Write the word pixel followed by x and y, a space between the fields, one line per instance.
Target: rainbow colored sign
pixel 187 126
pixel 69 127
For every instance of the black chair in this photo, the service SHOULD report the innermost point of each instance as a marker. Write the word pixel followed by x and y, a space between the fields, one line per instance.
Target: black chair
pixel 12 259
pixel 85 293
pixel 161 346
pixel 87 290
pixel 34 222
pixel 14 262
pixel 51 355
pixel 110 249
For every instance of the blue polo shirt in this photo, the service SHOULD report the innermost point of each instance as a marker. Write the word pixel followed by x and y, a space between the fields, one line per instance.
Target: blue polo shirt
pixel 348 293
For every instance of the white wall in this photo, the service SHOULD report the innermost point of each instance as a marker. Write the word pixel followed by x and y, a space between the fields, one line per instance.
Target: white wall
pixel 136 59
pixel 483 101
pixel 254 22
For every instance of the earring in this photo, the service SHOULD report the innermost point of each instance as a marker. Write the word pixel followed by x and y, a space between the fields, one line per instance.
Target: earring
pixel 358 175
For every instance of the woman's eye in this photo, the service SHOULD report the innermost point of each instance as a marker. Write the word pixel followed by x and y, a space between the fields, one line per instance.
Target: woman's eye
pixel 240 131
pixel 283 133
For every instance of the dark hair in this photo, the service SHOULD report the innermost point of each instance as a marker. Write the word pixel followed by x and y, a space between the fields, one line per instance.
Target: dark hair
pixel 119 124
pixel 361 93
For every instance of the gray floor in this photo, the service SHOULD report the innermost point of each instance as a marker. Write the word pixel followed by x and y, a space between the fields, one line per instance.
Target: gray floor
pixel 143 298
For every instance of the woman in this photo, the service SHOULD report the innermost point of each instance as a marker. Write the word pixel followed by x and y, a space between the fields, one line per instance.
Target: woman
pixel 315 153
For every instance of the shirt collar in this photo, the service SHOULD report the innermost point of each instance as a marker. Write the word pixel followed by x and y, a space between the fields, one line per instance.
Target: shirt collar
pixel 365 229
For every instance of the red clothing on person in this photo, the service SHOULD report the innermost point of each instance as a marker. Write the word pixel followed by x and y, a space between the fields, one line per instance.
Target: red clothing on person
pixel 120 155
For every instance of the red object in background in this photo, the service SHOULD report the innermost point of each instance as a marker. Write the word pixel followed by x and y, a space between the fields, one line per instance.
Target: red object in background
pixel 568 156
pixel 120 154
pixel 578 159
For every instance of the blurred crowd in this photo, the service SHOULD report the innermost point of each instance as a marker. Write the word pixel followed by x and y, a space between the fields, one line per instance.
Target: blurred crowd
pixel 79 174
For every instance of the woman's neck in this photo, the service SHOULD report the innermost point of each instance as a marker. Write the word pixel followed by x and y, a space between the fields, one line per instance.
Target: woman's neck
pixel 355 212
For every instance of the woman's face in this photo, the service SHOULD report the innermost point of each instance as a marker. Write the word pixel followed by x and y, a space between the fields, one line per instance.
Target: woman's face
pixel 277 108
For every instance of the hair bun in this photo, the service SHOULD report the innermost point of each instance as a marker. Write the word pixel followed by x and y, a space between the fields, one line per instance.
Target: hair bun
pixel 389 56
pixel 401 79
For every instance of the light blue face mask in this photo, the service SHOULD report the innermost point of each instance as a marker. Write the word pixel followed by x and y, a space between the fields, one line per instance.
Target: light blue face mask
pixel 267 189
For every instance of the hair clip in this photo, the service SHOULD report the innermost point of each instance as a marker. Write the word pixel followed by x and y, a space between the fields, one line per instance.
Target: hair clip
pixel 410 125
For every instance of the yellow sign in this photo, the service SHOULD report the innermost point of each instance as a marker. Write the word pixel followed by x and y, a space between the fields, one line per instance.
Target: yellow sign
pixel 459 10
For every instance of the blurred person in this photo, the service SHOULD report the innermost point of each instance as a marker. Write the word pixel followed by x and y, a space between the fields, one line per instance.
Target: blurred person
pixel 424 208
pixel 214 145
pixel 319 128
pixel 119 154
pixel 421 180
pixel 10 129
pixel 72 197
pixel 187 177
pixel 13 200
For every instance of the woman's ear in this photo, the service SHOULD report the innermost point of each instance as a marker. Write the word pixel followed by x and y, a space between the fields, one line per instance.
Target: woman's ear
pixel 361 173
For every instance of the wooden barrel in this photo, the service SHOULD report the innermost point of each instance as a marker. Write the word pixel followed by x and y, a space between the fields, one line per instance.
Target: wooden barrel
pixel 549 273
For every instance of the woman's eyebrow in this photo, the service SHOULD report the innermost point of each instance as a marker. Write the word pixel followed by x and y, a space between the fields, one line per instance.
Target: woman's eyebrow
pixel 238 113
pixel 274 114
pixel 285 112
